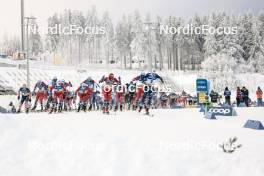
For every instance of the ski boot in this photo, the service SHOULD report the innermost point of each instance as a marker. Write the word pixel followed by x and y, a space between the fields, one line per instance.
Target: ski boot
pixel 147 111
pixel 34 108
pixel 107 111
pixel 140 109
pixel 90 108
pixel 79 108
pixel 60 108
pixel 84 108
pixel 41 109
pixel 55 109
pixel 52 110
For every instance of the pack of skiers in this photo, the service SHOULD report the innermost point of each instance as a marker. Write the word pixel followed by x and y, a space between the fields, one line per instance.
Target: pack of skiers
pixel 110 94
pixel 57 96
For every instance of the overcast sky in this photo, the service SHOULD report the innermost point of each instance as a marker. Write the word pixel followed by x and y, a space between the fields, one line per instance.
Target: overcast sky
pixel 42 9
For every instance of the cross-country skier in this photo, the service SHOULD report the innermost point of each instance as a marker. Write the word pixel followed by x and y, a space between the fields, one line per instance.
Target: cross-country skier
pixel 107 90
pixel 172 100
pixel 146 99
pixel 93 86
pixel 70 99
pixel 57 92
pixel 139 82
pixel 50 86
pixel 119 96
pixel 40 90
pixel 130 94
pixel 84 93
pixel 24 95
pixel 66 91
pixel 163 100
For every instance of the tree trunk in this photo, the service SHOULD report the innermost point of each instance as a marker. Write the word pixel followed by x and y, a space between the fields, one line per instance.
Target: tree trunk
pixel 130 59
pixel 160 57
pixel 125 60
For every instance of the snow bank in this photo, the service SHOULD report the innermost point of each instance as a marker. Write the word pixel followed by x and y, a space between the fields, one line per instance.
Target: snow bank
pixel 173 142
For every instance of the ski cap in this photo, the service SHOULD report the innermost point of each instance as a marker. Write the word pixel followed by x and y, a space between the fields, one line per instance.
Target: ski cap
pixel 111 75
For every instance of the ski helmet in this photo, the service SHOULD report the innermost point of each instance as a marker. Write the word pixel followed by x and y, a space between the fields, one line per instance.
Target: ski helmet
pixel 55 79
pixel 89 79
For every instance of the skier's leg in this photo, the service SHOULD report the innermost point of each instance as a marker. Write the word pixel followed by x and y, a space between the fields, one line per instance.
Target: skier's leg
pixel 21 104
pixel 80 102
pixel 36 102
pixel 27 105
pixel 139 94
pixel 142 102
pixel 149 101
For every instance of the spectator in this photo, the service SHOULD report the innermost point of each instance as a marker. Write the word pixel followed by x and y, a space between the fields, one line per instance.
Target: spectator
pixel 238 96
pixel 227 94
pixel 214 96
pixel 259 96
pixel 245 96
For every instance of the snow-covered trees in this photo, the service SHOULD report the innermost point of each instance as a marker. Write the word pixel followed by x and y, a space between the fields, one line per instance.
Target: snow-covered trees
pixel 123 39
pixel 9 45
pixel 137 39
pixel 108 38
pixel 220 70
pixel 35 41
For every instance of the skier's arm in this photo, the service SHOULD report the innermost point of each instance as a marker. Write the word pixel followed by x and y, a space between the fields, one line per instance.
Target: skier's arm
pixel 159 77
pixel 18 94
pixel 117 81
pixel 102 79
pixel 97 86
pixel 135 79
pixel 45 86
pixel 35 88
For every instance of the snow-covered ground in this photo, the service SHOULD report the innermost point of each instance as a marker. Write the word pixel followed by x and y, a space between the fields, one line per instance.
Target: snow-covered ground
pixel 173 142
